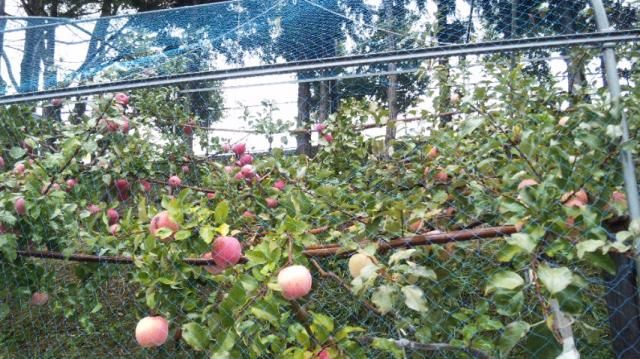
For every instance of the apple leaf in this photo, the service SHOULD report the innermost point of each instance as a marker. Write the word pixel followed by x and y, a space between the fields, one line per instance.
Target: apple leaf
pixel 195 335
pixel 554 279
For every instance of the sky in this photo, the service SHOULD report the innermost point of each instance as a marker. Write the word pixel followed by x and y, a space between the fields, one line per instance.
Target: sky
pixel 238 94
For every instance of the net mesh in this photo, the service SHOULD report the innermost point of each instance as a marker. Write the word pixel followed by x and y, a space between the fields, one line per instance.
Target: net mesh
pixel 483 193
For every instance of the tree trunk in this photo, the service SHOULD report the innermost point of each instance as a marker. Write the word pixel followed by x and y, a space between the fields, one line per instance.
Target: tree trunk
pixel 575 66
pixel 303 140
pixel 443 104
pixel 3 83
pixel 325 101
pixel 392 86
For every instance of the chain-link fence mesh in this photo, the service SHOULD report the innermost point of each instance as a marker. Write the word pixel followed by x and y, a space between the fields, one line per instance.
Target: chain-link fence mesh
pixel 450 205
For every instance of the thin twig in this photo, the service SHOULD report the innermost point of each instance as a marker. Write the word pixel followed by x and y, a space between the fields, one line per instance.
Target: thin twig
pixel 431 347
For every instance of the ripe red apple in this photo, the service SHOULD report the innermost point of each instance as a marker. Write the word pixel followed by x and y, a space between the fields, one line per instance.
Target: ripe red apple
pixel 239 149
pixel 228 169
pixel 416 225
pixel 295 281
pixel 122 185
pixel 441 177
pixel 433 153
pixel 112 126
pixel 279 185
pixel 212 269
pixel 163 220
pixel 577 199
pixel 226 147
pixel 93 209
pixel 39 298
pixel 185 169
pixel 526 183
pixel 248 171
pixel 121 98
pixel 71 183
pixel 238 176
pixel 328 137
pixel 124 127
pixel 114 228
pixel 320 127
pixel 324 354
pixel 152 331
pixel 619 197
pixel 357 262
pixel 19 168
pixel 272 202
pixel 146 185
pixel 211 195
pixel 226 251
pixel 21 206
pixel 174 181
pixel 56 102
pixel 188 128
pixel 2 162
pixel 112 216
pixel 248 214
pixel 246 159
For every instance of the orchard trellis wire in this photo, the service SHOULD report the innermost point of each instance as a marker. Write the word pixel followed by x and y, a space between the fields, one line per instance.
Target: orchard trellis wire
pixel 458 177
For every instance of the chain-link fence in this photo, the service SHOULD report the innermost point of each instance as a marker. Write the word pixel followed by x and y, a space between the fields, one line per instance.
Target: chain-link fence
pixel 456 177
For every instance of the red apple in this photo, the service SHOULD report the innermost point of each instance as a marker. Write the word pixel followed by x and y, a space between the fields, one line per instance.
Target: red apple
pixel 575 199
pixel 188 128
pixel 279 185
pixel 212 269
pixel 248 214
pixel 71 183
pixel 211 195
pixel 324 354
pixel 93 209
pixel 226 147
pixel 239 149
pixel 433 153
pixel 526 183
pixel 619 197
pixel 152 331
pixel 124 127
pixel 238 176
pixel 2 162
pixel 328 137
pixel 226 251
pixel 39 298
pixel 19 168
pixel 246 159
pixel 21 206
pixel 272 202
pixel 122 185
pixel 185 169
pixel 114 228
pixel 163 220
pixel 248 171
pixel 121 98
pixel 146 186
pixel 320 127
pixel 228 169
pixel 112 216
pixel 175 181
pixel 295 281
pixel 441 177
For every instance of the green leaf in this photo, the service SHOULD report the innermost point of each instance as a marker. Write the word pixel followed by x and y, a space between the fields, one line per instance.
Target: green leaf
pixel 223 229
pixel 195 335
pixel 511 336
pixel 523 241
pixel 222 212
pixel 504 280
pixel 389 346
pixel 554 279
pixel 589 246
pixel 264 315
pixel 414 298
pixel 207 233
pixel 383 298
pixel 400 255
pixel 470 125
pixel 17 152
pixel 182 235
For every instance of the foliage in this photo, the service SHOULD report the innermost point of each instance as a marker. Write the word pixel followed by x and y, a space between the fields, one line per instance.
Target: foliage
pixel 489 295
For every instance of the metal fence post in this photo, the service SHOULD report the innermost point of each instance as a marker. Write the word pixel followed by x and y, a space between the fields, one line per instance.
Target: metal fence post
pixel 624 313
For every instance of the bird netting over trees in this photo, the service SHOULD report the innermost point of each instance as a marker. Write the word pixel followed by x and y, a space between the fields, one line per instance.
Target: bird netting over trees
pixel 444 204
